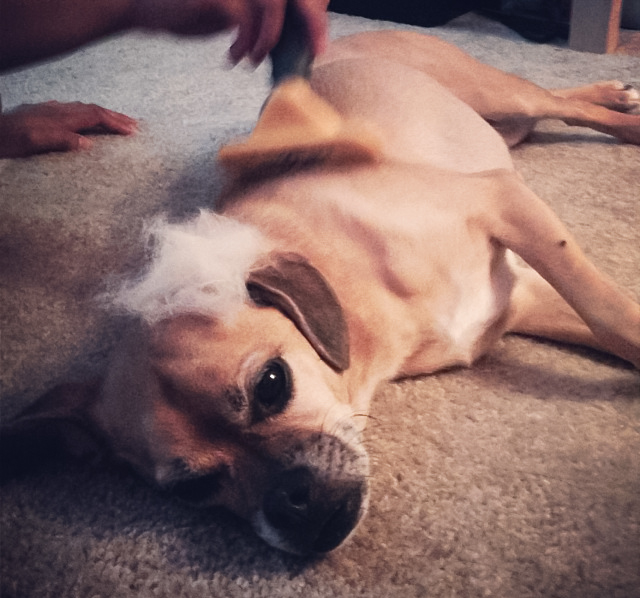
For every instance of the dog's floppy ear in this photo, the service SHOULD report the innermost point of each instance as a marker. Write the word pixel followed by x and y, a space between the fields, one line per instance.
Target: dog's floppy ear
pixel 56 425
pixel 298 129
pixel 292 285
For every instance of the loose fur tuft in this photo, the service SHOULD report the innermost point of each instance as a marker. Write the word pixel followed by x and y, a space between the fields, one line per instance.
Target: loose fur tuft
pixel 198 267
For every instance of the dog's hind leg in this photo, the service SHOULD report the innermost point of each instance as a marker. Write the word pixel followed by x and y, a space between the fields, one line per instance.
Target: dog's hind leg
pixel 511 104
pixel 610 95
pixel 521 221
pixel 605 107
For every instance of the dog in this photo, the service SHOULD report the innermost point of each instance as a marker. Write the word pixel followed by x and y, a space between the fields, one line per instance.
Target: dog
pixel 373 228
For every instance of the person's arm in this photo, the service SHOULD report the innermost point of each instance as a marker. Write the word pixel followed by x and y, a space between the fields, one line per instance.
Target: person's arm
pixel 32 30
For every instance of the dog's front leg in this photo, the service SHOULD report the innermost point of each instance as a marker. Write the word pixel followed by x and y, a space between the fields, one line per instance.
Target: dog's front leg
pixel 521 221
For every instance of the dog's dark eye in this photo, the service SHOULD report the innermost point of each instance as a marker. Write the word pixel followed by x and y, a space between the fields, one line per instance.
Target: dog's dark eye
pixel 272 391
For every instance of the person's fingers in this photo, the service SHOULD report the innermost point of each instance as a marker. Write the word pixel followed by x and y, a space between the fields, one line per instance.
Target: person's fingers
pixel 115 122
pixel 269 30
pixel 77 116
pixel 260 29
pixel 39 138
pixel 313 13
pixel 248 20
pixel 59 140
pixel 258 22
pixel 242 43
pixel 189 17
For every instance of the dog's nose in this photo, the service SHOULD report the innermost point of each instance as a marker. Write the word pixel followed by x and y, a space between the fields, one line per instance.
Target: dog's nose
pixel 312 514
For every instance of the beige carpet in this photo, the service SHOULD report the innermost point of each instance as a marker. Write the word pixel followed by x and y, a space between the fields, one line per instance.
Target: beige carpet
pixel 519 477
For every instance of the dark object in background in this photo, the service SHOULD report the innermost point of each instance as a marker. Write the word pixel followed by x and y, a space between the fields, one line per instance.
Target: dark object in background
pixel 426 13
pixel 536 20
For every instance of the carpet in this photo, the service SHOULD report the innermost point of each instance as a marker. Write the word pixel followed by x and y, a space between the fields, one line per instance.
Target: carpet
pixel 518 477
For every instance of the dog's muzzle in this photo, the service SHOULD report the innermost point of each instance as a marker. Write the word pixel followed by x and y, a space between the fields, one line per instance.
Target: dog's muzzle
pixel 313 505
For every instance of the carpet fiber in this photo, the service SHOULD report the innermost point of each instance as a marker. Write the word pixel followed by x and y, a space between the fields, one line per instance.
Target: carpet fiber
pixel 519 477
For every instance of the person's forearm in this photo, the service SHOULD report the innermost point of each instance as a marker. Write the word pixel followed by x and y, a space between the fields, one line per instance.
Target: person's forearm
pixel 31 30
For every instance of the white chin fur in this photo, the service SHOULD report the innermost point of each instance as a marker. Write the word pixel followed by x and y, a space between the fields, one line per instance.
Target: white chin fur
pixel 198 267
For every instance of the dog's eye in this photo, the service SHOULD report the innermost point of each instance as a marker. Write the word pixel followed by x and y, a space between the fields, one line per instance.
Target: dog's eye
pixel 272 390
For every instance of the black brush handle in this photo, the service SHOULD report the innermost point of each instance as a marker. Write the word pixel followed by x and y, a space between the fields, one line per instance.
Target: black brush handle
pixel 292 55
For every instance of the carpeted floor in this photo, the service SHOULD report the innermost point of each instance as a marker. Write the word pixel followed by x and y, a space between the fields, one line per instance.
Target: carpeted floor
pixel 519 477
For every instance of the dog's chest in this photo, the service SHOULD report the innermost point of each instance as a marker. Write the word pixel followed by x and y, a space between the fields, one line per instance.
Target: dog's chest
pixel 462 320
pixel 436 290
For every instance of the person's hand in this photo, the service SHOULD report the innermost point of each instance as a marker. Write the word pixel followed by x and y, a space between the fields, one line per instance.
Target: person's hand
pixel 259 22
pixel 55 126
pixel 259 32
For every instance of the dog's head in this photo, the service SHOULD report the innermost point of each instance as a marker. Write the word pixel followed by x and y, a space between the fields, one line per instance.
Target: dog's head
pixel 229 388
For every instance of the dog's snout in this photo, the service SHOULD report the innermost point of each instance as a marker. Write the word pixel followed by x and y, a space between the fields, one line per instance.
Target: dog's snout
pixel 312 514
pixel 287 505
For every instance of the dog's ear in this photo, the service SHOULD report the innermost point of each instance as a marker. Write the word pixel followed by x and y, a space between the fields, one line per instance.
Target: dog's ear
pixel 298 129
pixel 55 426
pixel 292 285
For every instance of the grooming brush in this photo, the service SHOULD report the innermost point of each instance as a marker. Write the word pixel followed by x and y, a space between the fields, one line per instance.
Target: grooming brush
pixel 297 128
pixel 291 56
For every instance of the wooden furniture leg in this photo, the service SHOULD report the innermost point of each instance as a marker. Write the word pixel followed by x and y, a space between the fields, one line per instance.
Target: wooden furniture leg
pixel 595 25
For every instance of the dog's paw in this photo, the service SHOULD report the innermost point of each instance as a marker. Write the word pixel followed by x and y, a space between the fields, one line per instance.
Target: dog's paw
pixel 615 95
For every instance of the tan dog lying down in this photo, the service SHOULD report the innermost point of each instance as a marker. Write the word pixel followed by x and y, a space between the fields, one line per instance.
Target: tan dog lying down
pixel 264 332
